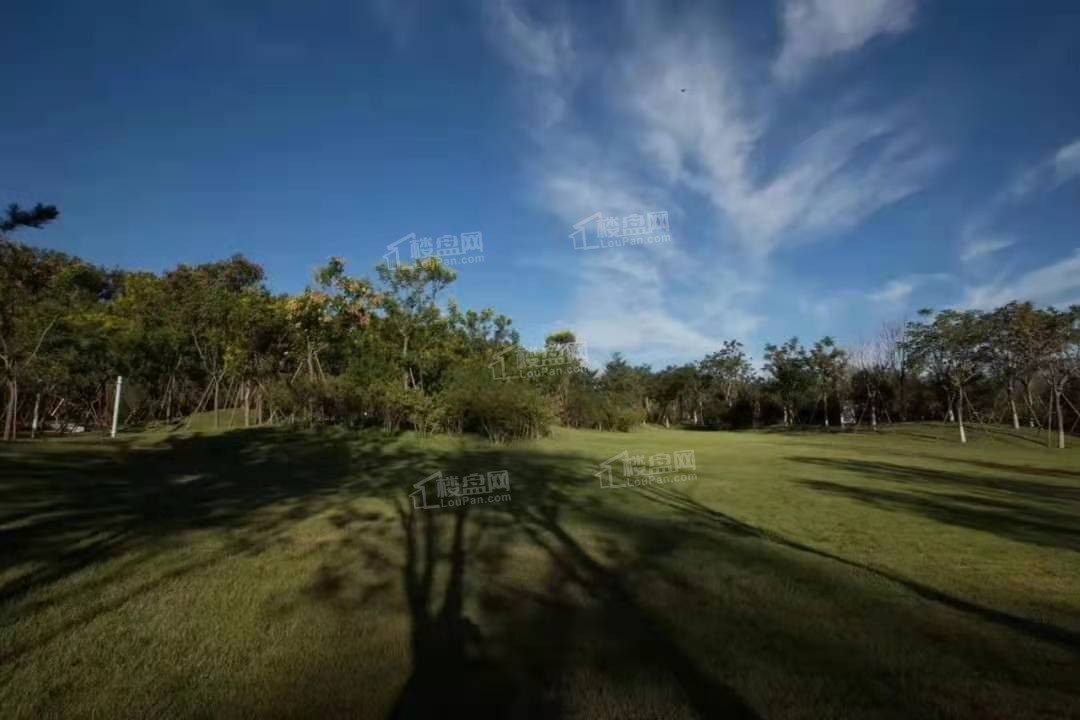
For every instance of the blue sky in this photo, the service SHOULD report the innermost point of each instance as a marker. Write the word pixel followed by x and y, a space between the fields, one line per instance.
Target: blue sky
pixel 825 165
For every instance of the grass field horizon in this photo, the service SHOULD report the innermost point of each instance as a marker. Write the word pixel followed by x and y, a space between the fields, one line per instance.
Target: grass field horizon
pixel 275 572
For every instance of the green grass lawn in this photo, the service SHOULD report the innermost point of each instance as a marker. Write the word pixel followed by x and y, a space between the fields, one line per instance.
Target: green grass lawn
pixel 278 573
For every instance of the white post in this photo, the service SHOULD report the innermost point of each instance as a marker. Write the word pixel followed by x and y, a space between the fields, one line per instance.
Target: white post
pixel 116 404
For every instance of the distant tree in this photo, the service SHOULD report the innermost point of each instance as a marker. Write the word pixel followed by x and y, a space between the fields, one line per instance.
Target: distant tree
pixel 409 295
pixel 953 345
pixel 894 351
pixel 787 365
pixel 726 371
pixel 1059 340
pixel 827 363
pixel 1008 347
pixel 870 366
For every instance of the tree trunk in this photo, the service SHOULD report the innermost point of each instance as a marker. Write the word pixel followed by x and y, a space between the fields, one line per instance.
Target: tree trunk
pixel 34 423
pixel 9 412
pixel 247 405
pixel 13 394
pixel 960 417
pixel 217 416
pixel 903 404
pixel 168 401
pixel 873 417
pixel 1012 406
pixel 825 400
pixel 1061 420
pixel 1033 419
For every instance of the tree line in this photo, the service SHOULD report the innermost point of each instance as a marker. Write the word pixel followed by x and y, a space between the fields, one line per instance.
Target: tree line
pixel 394 352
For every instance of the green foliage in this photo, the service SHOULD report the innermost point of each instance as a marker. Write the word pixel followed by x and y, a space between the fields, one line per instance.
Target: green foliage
pixel 395 353
pixel 503 410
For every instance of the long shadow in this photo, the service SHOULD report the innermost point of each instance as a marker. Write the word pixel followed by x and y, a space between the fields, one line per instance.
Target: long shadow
pixel 476 646
pixel 451 674
pixel 1015 469
pixel 934 477
pixel 1035 629
pixel 1015 509
pixel 69 507
pixel 636 627
pixel 514 667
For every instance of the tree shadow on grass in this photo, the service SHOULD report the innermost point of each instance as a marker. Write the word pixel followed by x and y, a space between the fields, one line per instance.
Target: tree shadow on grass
pixel 83 521
pixel 1029 511
pixel 487 644
pixel 481 641
pixel 515 665
pixel 1018 470
pixel 118 509
pixel 933 477
pixel 1034 629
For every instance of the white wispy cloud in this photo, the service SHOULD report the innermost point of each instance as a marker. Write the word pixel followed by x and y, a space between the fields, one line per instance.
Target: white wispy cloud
pixel 898 291
pixel 674 119
pixel 1055 283
pixel 895 291
pixel 540 51
pixel 981 235
pixel 976 248
pixel 1067 162
pixel 711 139
pixel 636 303
pixel 1059 167
pixel 815 29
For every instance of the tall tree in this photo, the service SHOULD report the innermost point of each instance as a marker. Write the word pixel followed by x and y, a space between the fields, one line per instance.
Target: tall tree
pixel 827 363
pixel 787 365
pixel 953 345
pixel 409 303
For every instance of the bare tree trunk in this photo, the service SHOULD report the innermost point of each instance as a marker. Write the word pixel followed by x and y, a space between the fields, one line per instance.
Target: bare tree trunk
pixel 873 416
pixel 34 423
pixel 1049 418
pixel 960 417
pixel 1033 418
pixel 217 416
pixel 168 400
pixel 247 405
pixel 1061 420
pixel 9 412
pixel 13 413
pixel 903 403
pixel 825 400
pixel 1012 406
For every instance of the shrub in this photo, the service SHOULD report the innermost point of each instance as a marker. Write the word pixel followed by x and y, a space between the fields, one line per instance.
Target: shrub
pixel 473 401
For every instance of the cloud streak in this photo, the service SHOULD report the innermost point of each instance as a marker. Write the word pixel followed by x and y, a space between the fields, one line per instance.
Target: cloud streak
pixel 817 29
pixel 1057 282
pixel 672 119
